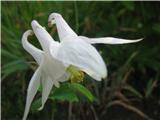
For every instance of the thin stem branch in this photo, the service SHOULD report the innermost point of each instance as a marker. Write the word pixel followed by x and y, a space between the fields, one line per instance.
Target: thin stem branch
pixel 131 108
pixel 70 111
pixel 94 113
pixel 76 16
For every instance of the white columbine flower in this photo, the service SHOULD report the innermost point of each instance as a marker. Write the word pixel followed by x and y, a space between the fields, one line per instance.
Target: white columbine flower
pixel 78 51
pixel 59 61
pixel 50 71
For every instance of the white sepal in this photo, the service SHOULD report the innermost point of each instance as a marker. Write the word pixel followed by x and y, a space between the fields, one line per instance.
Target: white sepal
pixel 108 40
pixel 63 28
pixel 43 36
pixel 35 52
pixel 74 51
pixel 47 84
pixel 32 90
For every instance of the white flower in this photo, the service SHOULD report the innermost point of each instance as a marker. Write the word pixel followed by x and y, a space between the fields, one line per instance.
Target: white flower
pixel 78 51
pixel 50 71
pixel 74 53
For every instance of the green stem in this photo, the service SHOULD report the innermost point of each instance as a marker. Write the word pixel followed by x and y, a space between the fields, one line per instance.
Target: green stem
pixel 76 16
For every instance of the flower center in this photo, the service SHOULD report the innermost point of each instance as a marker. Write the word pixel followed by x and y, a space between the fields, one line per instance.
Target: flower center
pixel 76 75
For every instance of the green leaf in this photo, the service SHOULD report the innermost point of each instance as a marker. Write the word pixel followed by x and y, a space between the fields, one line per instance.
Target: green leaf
pixel 7 54
pixel 80 88
pixel 64 93
pixel 149 88
pixel 128 5
pixel 156 28
pixel 69 91
pixel 129 60
pixel 133 90
pixel 13 66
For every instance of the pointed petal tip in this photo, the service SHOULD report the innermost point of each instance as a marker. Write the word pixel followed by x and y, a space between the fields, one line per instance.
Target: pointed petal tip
pixel 39 109
pixel 137 40
pixel 57 85
pixel 133 41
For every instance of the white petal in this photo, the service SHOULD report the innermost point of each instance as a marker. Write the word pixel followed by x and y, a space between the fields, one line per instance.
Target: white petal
pixel 63 28
pixel 32 90
pixel 108 40
pixel 74 51
pixel 64 77
pixel 54 68
pixel 43 36
pixel 54 49
pixel 47 84
pixel 35 52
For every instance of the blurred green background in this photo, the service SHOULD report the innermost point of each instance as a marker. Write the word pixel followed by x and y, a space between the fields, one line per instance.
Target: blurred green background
pixel 132 88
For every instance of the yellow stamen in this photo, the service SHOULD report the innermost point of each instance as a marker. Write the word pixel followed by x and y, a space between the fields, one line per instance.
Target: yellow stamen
pixel 75 74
